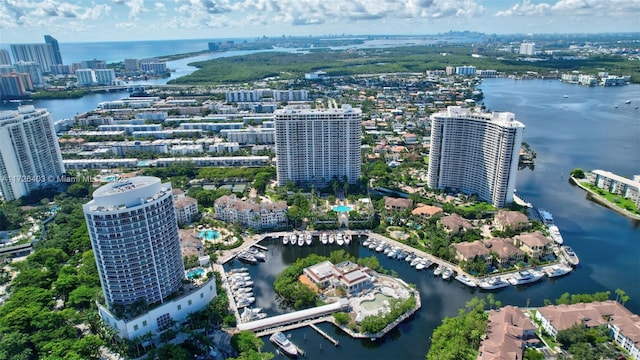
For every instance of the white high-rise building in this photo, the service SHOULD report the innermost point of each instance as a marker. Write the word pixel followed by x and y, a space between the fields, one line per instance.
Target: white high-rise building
pixel 29 152
pixel 527 48
pixel 317 146
pixel 85 77
pixel 475 152
pixel 134 234
pixel 105 76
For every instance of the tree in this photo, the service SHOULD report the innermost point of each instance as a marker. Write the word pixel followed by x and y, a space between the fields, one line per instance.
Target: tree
pixel 245 341
pixel 577 173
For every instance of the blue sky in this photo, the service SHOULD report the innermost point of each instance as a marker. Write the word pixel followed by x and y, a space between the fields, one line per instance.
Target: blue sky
pixel 117 20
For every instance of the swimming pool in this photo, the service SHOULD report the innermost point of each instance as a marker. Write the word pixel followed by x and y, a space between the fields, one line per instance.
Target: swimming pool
pixel 195 273
pixel 209 235
pixel 376 303
pixel 111 178
pixel 342 208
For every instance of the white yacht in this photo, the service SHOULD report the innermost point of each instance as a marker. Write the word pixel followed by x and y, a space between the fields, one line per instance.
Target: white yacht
pixel 570 255
pixel 493 283
pixel 324 239
pixel 463 278
pixel 523 277
pixel 557 270
pixel 447 273
pixel 555 234
pixel 339 239
pixel 438 270
pixel 308 238
pixel 285 239
pixel 284 344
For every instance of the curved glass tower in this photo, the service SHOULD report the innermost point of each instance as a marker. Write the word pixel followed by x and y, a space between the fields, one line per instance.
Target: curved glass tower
pixel 134 235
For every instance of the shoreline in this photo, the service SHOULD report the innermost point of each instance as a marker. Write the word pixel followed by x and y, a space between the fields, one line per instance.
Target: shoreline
pixel 602 201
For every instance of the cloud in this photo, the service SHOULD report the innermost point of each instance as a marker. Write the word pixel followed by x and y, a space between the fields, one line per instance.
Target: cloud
pixel 159 6
pixel 574 8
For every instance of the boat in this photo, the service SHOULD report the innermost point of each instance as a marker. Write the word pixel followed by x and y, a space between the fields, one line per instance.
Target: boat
pixel 627 101
pixel 381 246
pixel 308 238
pixel 332 238
pixel 339 239
pixel 421 264
pixel 401 255
pixel 238 277
pixel 555 234
pixel 244 302
pixel 493 283
pixel 241 284
pixel 565 96
pixel 438 270
pixel 243 290
pixel 285 239
pixel 410 257
pixel 545 217
pixel 252 314
pixel 366 242
pixel 284 344
pixel 463 278
pixel 523 277
pixel 415 261
pixel 557 270
pixel 373 245
pixel 347 239
pixel 570 255
pixel 387 250
pixel 246 257
pixel 447 273
pixel 260 256
pixel 301 240
pixel 238 270
pixel 240 296
pixel 324 239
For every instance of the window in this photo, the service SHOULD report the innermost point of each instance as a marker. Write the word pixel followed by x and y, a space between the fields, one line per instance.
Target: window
pixel 144 323
pixel 179 307
pixel 135 327
pixel 190 302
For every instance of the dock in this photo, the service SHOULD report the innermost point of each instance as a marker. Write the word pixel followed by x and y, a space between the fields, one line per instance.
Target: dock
pixel 327 336
pixel 263 248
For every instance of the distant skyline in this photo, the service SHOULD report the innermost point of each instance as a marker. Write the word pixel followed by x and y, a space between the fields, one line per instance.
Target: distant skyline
pixel 26 21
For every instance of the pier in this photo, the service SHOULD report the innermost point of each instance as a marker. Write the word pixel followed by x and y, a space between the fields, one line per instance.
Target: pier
pixel 327 336
pixel 263 248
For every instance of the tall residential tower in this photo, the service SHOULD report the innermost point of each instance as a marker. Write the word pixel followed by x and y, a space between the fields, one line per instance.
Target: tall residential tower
pixel 29 152
pixel 475 152
pixel 134 235
pixel 317 146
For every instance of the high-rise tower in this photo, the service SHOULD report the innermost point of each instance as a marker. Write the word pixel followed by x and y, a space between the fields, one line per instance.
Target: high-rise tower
pixel 30 155
pixel 317 146
pixel 134 235
pixel 55 47
pixel 475 152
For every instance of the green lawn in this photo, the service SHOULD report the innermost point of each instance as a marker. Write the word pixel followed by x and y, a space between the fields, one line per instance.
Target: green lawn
pixel 617 200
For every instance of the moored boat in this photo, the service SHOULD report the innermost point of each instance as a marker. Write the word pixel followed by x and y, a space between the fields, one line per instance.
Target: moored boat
pixel 238 270
pixel 421 264
pixel 332 238
pixel 339 239
pixel 324 239
pixel 545 217
pixel 347 239
pixel 285 239
pixel 301 240
pixel 557 270
pixel 493 283
pixel 555 234
pixel 246 257
pixel 438 270
pixel 463 278
pixel 366 242
pixel 525 277
pixel 570 255
pixel 447 273
pixel 308 238
pixel 283 343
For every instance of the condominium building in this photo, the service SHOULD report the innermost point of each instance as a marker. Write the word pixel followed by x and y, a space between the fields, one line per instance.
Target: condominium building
pixel 32 69
pixel 4 57
pixel 475 152
pixel 85 77
pixel 317 146
pixel 266 214
pixel 105 76
pixel 41 54
pixel 527 48
pixel 15 85
pixel 134 234
pixel 29 152
pixel 55 47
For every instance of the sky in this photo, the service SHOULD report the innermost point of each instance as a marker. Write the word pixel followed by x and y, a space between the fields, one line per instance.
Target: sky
pixel 25 21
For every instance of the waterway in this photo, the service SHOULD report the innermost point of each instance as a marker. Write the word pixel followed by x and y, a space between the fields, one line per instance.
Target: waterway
pixel 584 130
pixel 590 128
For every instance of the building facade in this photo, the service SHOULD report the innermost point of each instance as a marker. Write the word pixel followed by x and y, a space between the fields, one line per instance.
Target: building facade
pixel 41 54
pixel 266 214
pixel 475 152
pixel 30 155
pixel 134 234
pixel 318 146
